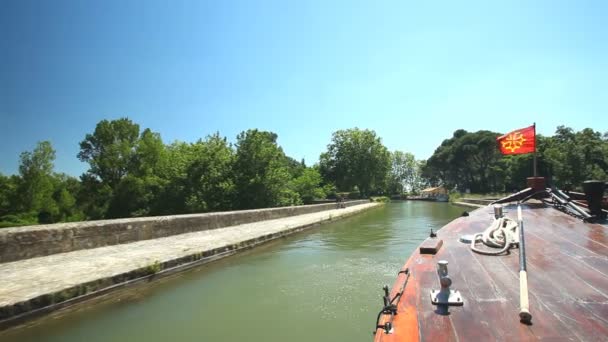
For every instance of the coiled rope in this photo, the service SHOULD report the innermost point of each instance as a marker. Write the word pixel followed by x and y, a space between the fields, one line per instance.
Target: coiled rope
pixel 502 233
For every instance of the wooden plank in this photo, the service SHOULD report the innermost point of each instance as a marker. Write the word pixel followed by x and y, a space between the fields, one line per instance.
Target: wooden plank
pixel 582 236
pixel 554 295
pixel 580 241
pixel 483 296
pixel 544 324
pixel 479 296
pixel 430 246
pixel 568 271
pixel 566 282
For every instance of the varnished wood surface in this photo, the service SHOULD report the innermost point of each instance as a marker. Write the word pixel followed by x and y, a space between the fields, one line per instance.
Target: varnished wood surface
pixel 430 245
pixel 567 262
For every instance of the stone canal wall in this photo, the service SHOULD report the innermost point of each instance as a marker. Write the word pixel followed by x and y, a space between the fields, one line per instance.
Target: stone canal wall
pixel 33 287
pixel 35 241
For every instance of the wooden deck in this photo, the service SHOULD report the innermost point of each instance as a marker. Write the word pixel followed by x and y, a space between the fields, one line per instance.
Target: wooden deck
pixel 567 262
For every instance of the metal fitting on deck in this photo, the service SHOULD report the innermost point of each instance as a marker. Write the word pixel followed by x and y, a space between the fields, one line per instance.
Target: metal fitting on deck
pixel 442 271
pixel 497 211
pixel 445 296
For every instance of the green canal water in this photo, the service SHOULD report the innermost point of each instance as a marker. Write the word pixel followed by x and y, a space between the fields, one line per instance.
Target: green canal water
pixel 320 285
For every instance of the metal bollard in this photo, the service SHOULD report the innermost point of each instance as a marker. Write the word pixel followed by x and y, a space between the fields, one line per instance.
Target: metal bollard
pixel 445 296
pixel 497 211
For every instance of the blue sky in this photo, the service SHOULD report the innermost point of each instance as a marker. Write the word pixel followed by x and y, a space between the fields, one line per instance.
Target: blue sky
pixel 412 71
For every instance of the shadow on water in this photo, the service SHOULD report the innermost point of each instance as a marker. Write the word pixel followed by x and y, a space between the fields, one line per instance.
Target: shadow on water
pixel 322 284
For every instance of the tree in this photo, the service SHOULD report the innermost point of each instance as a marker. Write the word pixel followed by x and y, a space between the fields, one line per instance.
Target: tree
pixel 38 195
pixel 574 157
pixel 174 167
pixel 468 160
pixel 356 159
pixel 295 168
pixel 147 155
pixel 418 181
pixel 36 186
pixel 66 189
pixel 123 177
pixel 262 178
pixel 210 177
pixel 308 185
pixel 110 150
pixel 8 194
pixel 471 160
pixel 132 197
pixel 139 192
pixel 402 173
pixel 94 197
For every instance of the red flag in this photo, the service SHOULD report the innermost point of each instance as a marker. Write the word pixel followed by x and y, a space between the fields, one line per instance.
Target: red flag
pixel 519 141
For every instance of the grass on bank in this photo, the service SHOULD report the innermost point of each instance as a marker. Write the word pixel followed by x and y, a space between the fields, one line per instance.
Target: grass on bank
pixel 458 196
pixel 380 199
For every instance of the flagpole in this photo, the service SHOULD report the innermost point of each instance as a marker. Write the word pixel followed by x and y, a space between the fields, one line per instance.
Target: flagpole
pixel 534 149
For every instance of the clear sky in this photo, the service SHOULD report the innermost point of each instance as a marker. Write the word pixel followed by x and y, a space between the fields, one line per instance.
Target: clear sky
pixel 413 71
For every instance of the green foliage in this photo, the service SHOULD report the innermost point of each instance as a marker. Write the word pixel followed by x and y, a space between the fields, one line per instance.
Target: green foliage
pixel 94 197
pixel 261 172
pixel 329 189
pixel 380 199
pixel 131 197
pixel 64 195
pixel 405 173
pixel 123 179
pixel 296 168
pixel 173 167
pixel 153 268
pixel 132 174
pixel 35 188
pixel 457 196
pixel 418 181
pixel 466 161
pixel 209 178
pixel 147 154
pixel 356 158
pixel 574 157
pixel 345 195
pixel 308 185
pixel 111 150
pixel 38 195
pixel 472 161
pixel 8 193
pixel 21 219
pixel 136 174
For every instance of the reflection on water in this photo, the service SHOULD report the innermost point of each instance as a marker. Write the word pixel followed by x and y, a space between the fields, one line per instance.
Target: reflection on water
pixel 323 284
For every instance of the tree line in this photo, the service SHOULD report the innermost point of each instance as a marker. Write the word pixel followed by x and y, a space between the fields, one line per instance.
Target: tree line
pixel 471 160
pixel 132 173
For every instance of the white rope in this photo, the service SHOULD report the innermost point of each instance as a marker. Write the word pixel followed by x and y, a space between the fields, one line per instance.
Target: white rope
pixel 502 233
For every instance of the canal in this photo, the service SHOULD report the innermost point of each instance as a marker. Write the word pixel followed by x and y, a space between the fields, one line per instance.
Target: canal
pixel 320 285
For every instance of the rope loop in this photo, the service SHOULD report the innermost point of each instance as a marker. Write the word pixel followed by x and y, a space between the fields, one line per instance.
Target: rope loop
pixel 502 234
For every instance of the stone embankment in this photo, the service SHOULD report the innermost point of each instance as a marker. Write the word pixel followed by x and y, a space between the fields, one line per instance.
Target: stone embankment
pixel 55 266
pixel 35 241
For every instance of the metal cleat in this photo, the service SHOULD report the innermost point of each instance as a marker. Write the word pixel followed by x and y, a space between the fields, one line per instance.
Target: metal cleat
pixel 445 296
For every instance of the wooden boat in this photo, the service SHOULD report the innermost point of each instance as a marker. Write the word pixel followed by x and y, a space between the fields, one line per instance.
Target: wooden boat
pixel 567 265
